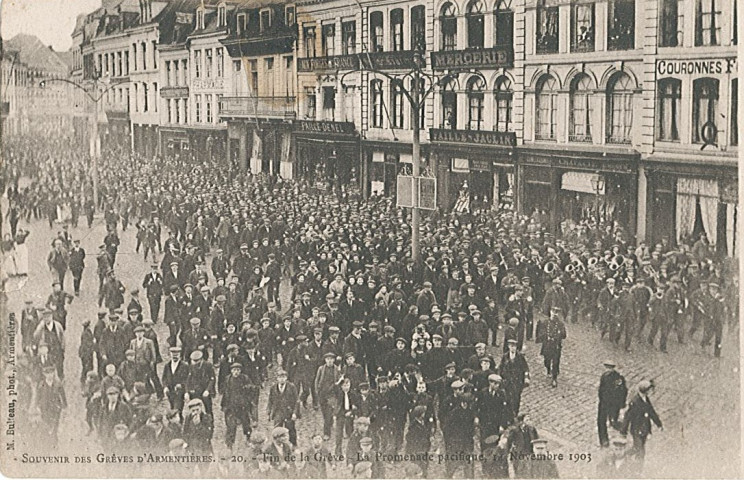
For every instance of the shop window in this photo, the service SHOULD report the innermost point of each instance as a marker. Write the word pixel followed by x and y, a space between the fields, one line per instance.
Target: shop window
pixel 448 27
pixel 670 99
pixel 504 23
pixel 376 32
pixel 734 112
pixel 546 106
pixel 580 110
pixel 375 87
pixel 620 109
pixel 310 102
pixel 582 27
pixel 329 34
pixel 396 28
pixel 348 37
pixel 418 28
pixel 504 98
pixel 707 22
pixel 547 28
pixel 475 89
pixel 672 24
pixel 621 25
pixel 475 19
pixel 309 36
pixel 449 106
pixel 396 103
pixel 704 107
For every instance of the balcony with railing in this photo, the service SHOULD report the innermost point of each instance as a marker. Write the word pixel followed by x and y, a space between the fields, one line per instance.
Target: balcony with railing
pixel 266 107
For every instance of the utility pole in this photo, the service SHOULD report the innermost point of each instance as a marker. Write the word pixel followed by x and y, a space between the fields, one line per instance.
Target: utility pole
pixel 95 150
pixel 416 153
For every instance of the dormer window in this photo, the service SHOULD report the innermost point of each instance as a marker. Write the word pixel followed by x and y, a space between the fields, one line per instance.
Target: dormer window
pixel 222 15
pixel 200 18
pixel 266 19
pixel 240 24
pixel 289 15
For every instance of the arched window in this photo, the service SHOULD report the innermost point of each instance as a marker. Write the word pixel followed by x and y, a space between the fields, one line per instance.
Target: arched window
pixel 396 28
pixel 619 109
pixel 375 88
pixel 581 109
pixel 704 107
pixel 475 18
pixel 449 105
pixel 546 105
pixel 422 103
pixel 448 26
pixel 475 88
pixel 504 23
pixel 418 28
pixel 670 98
pixel 504 95
pixel 376 32
pixel 396 103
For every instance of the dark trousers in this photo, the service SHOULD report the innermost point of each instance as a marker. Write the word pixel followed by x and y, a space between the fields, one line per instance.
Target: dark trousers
pixel 154 302
pixel 87 365
pixel 175 399
pixel 452 466
pixel 154 382
pixel 272 291
pixel 713 328
pixel 61 277
pixel 553 363
pixel 327 410
pixel 343 424
pixel 604 414
pixel 232 419
pixel 289 424
pixel 639 448
pixel 77 277
pixel 629 329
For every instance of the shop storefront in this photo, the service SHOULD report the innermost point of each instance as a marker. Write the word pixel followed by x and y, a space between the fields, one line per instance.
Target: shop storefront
pixel 578 186
pixel 483 162
pixel 145 139
pixel 116 133
pixel 327 155
pixel 689 200
pixel 174 142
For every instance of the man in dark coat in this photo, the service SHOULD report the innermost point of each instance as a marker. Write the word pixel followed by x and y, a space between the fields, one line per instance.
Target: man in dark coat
pixel 541 465
pixel 458 424
pixel 113 412
pixel 174 378
pixel 77 265
pixel 200 382
pixel 154 286
pixel 493 409
pixel 51 400
pixel 418 438
pixel 113 343
pixel 236 389
pixel 516 374
pixel 283 406
pixel 612 393
pixel 638 420
pixel 552 343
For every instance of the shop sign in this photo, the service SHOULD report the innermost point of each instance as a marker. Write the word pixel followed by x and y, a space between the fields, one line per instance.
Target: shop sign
pixel 310 126
pixel 729 191
pixel 716 66
pixel 427 193
pixel 404 191
pixel 503 139
pixel 339 62
pixel 480 164
pixel 585 164
pixel 481 58
pixel 207 83
pixel 174 92
pixel 388 60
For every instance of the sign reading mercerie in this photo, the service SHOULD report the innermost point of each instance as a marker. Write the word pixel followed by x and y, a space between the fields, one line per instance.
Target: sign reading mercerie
pixel 493 57
pixel 506 139
pixel 714 66
pixel 310 126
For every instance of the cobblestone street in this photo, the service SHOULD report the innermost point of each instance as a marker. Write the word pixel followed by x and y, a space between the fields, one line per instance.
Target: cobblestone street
pixel 697 396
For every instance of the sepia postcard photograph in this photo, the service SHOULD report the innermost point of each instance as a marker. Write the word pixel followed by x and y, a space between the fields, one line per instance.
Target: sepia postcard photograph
pixel 342 239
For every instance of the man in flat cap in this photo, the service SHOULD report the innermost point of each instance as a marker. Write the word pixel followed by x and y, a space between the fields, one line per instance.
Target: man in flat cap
pixel 327 379
pixel 638 418
pixel 198 428
pixel 200 382
pixel 515 373
pixel 617 463
pixel 236 389
pixel 300 367
pixel 51 400
pixel 114 411
pixel 612 395
pixel 552 343
pixel 283 406
pixel 493 408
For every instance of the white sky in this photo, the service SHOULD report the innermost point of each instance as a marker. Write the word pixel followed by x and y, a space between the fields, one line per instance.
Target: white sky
pixel 50 20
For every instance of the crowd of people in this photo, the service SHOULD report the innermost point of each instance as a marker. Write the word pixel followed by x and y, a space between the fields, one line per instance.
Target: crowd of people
pixel 262 288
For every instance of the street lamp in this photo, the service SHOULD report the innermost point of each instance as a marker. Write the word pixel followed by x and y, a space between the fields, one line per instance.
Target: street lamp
pixel 95 141
pixel 598 184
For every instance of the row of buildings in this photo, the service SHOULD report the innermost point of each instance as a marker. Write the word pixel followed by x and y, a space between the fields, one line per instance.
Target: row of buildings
pixel 621 109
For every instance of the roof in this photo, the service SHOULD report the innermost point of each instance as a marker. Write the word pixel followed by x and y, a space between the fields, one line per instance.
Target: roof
pixel 36 55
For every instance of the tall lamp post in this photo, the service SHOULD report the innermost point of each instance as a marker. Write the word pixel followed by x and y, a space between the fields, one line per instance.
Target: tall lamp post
pixel 598 183
pixel 95 141
pixel 416 96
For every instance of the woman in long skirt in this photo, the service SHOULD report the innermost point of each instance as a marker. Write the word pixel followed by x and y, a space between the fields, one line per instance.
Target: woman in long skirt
pixel 21 252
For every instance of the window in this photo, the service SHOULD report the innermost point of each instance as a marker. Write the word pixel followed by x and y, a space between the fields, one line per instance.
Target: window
pixel 222 15
pixel 348 37
pixel 220 62
pixel 735 25
pixel 168 74
pixel 240 24
pixel 704 107
pixel 504 23
pixel 621 19
pixel 582 27
pixel 349 98
pixel 396 103
pixel 422 109
pixel 672 23
pixel 375 87
pixel 734 141
pixel 620 109
pixel 376 32
pixel 265 19
pixel 155 96
pixel 269 70
pixel 708 22
pixel 208 99
pixel 253 68
pixel 310 102
pixel 208 60
pixel 171 112
pixel 475 88
pixel 197 63
pixel 504 96
pixel 309 34
pixel 144 55
pixel 449 105
pixel 580 120
pixel 475 21
pixel 199 18
pixel 547 28
pixel 145 98
pixel 418 28
pixel 668 117
pixel 546 103
pixel 329 33
pixel 289 75
pixel 176 73
pixel 329 102
pixel 289 15
pixel 396 28
pixel 448 26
